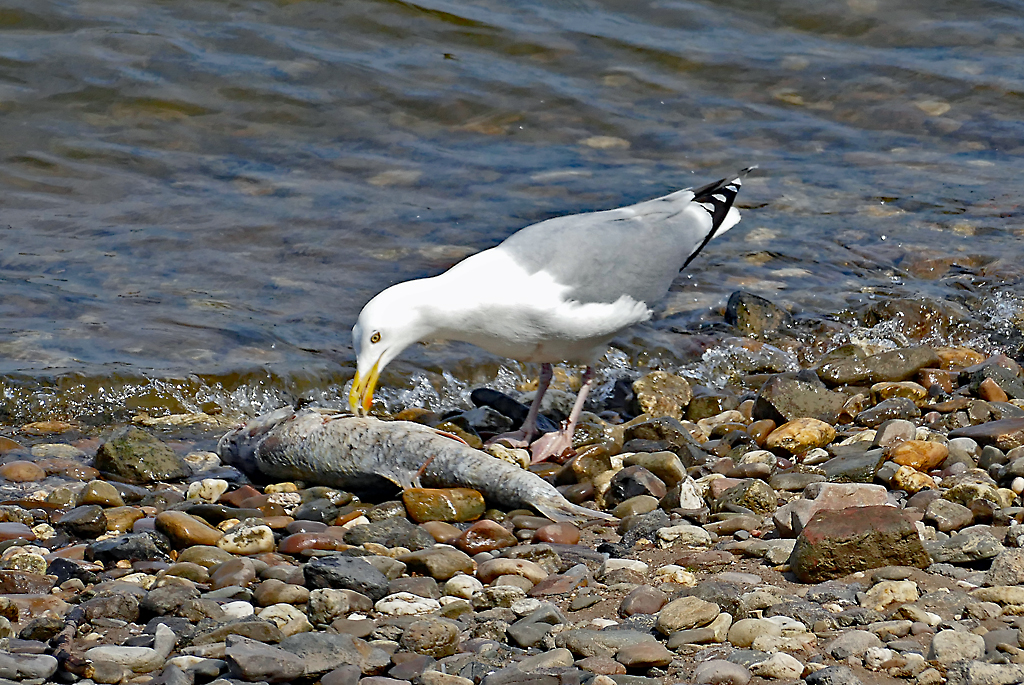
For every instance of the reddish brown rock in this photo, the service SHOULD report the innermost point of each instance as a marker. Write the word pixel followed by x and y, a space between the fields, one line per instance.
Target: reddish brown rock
pixel 7 445
pixel 13 531
pixel 295 544
pixel 643 600
pixel 602 665
pixel 21 472
pixel 560 533
pixel 442 532
pixel 236 497
pixel 836 543
pixel 485 536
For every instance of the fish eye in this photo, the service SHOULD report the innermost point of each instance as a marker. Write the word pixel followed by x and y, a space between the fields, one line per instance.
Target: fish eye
pixel 375 338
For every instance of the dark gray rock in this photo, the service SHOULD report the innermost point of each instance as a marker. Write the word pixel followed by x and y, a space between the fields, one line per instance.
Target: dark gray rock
pixel 346 573
pixel 254 661
pixel 324 652
pixel 129 547
pixel 833 675
pixel 87 521
pixel 753 315
pixel 391 532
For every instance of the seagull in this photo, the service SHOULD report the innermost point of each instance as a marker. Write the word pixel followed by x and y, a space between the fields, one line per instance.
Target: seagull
pixel 555 291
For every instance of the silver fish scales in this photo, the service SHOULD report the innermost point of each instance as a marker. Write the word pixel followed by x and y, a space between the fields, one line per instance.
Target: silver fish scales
pixel 340 450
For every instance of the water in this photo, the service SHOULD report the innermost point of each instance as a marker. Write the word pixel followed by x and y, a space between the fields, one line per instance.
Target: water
pixel 197 198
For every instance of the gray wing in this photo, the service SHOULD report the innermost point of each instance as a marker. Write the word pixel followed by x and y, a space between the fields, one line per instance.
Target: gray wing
pixel 636 250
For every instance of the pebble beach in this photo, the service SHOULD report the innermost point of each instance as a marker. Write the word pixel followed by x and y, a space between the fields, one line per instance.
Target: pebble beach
pixel 854 520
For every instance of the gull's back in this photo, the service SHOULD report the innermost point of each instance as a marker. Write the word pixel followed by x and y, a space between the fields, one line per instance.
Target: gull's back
pixel 635 251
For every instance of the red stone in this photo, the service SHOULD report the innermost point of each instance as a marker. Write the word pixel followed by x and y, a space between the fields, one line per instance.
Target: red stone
pixel 560 533
pixel 14 531
pixel 295 544
pixel 236 497
pixel 485 536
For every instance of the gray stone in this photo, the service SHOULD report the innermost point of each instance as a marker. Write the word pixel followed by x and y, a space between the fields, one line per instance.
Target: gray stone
pixel 852 643
pixel 949 646
pixel 720 672
pixel 1007 568
pixel 981 673
pixel 346 573
pixel 254 661
pixel 26 666
pixel 833 675
pixel 323 652
pixel 586 643
pixel 753 315
pixel 894 365
pixel 391 532
pixel 964 548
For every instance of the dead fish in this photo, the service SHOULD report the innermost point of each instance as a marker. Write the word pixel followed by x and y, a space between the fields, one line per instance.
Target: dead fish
pixel 345 451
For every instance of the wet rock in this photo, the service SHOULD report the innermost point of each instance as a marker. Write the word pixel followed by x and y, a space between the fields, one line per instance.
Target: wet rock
pixel 185 531
pixel 662 394
pixel 136 456
pixel 897 408
pixel 800 435
pixel 128 547
pixel 835 543
pixel 632 481
pixel 784 399
pixel 347 573
pixel 485 536
pixel 450 504
pixel 86 522
pixel 753 315
pixel 922 455
pixel 672 434
pixel 855 465
pixel 563 533
pixel 391 532
pixel 100 492
pixel 894 365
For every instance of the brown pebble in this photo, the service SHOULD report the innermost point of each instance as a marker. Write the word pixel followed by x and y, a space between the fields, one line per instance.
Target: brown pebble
pixel 442 532
pixel 990 391
pixel 10 530
pixel 7 445
pixel 22 472
pixel 236 497
pixel 760 430
pixel 297 542
pixel 602 665
pixel 67 468
pixel 485 536
pixel 185 530
pixel 560 533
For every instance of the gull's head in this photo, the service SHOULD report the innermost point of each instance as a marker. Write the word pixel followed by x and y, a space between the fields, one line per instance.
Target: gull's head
pixel 390 322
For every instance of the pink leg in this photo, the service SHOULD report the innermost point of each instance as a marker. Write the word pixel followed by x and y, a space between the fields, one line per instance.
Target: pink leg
pixel 522 437
pixel 555 444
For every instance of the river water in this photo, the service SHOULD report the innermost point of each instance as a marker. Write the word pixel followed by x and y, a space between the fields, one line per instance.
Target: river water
pixel 197 198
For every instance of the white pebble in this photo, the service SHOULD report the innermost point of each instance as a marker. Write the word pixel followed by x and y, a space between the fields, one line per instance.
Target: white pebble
pixel 406 604
pixel 1017 485
pixel 462 586
pixel 237 609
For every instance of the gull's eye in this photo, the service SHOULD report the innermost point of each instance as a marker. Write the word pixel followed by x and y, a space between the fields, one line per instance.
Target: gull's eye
pixel 375 338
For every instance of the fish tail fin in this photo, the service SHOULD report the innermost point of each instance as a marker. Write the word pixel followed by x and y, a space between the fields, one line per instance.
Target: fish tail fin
pixel 564 510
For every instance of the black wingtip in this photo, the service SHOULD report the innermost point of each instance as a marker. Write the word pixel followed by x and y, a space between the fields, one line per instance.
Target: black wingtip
pixel 717 198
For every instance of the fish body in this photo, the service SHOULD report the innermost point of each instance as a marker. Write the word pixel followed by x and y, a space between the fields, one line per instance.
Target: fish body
pixel 344 451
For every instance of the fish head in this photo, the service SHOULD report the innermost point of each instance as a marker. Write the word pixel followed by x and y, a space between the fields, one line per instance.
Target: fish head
pixel 389 323
pixel 238 447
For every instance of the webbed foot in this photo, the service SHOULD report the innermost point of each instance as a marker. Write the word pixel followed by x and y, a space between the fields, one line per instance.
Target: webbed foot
pixel 556 446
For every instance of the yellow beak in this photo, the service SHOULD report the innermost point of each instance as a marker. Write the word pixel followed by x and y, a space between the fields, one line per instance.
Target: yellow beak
pixel 360 397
